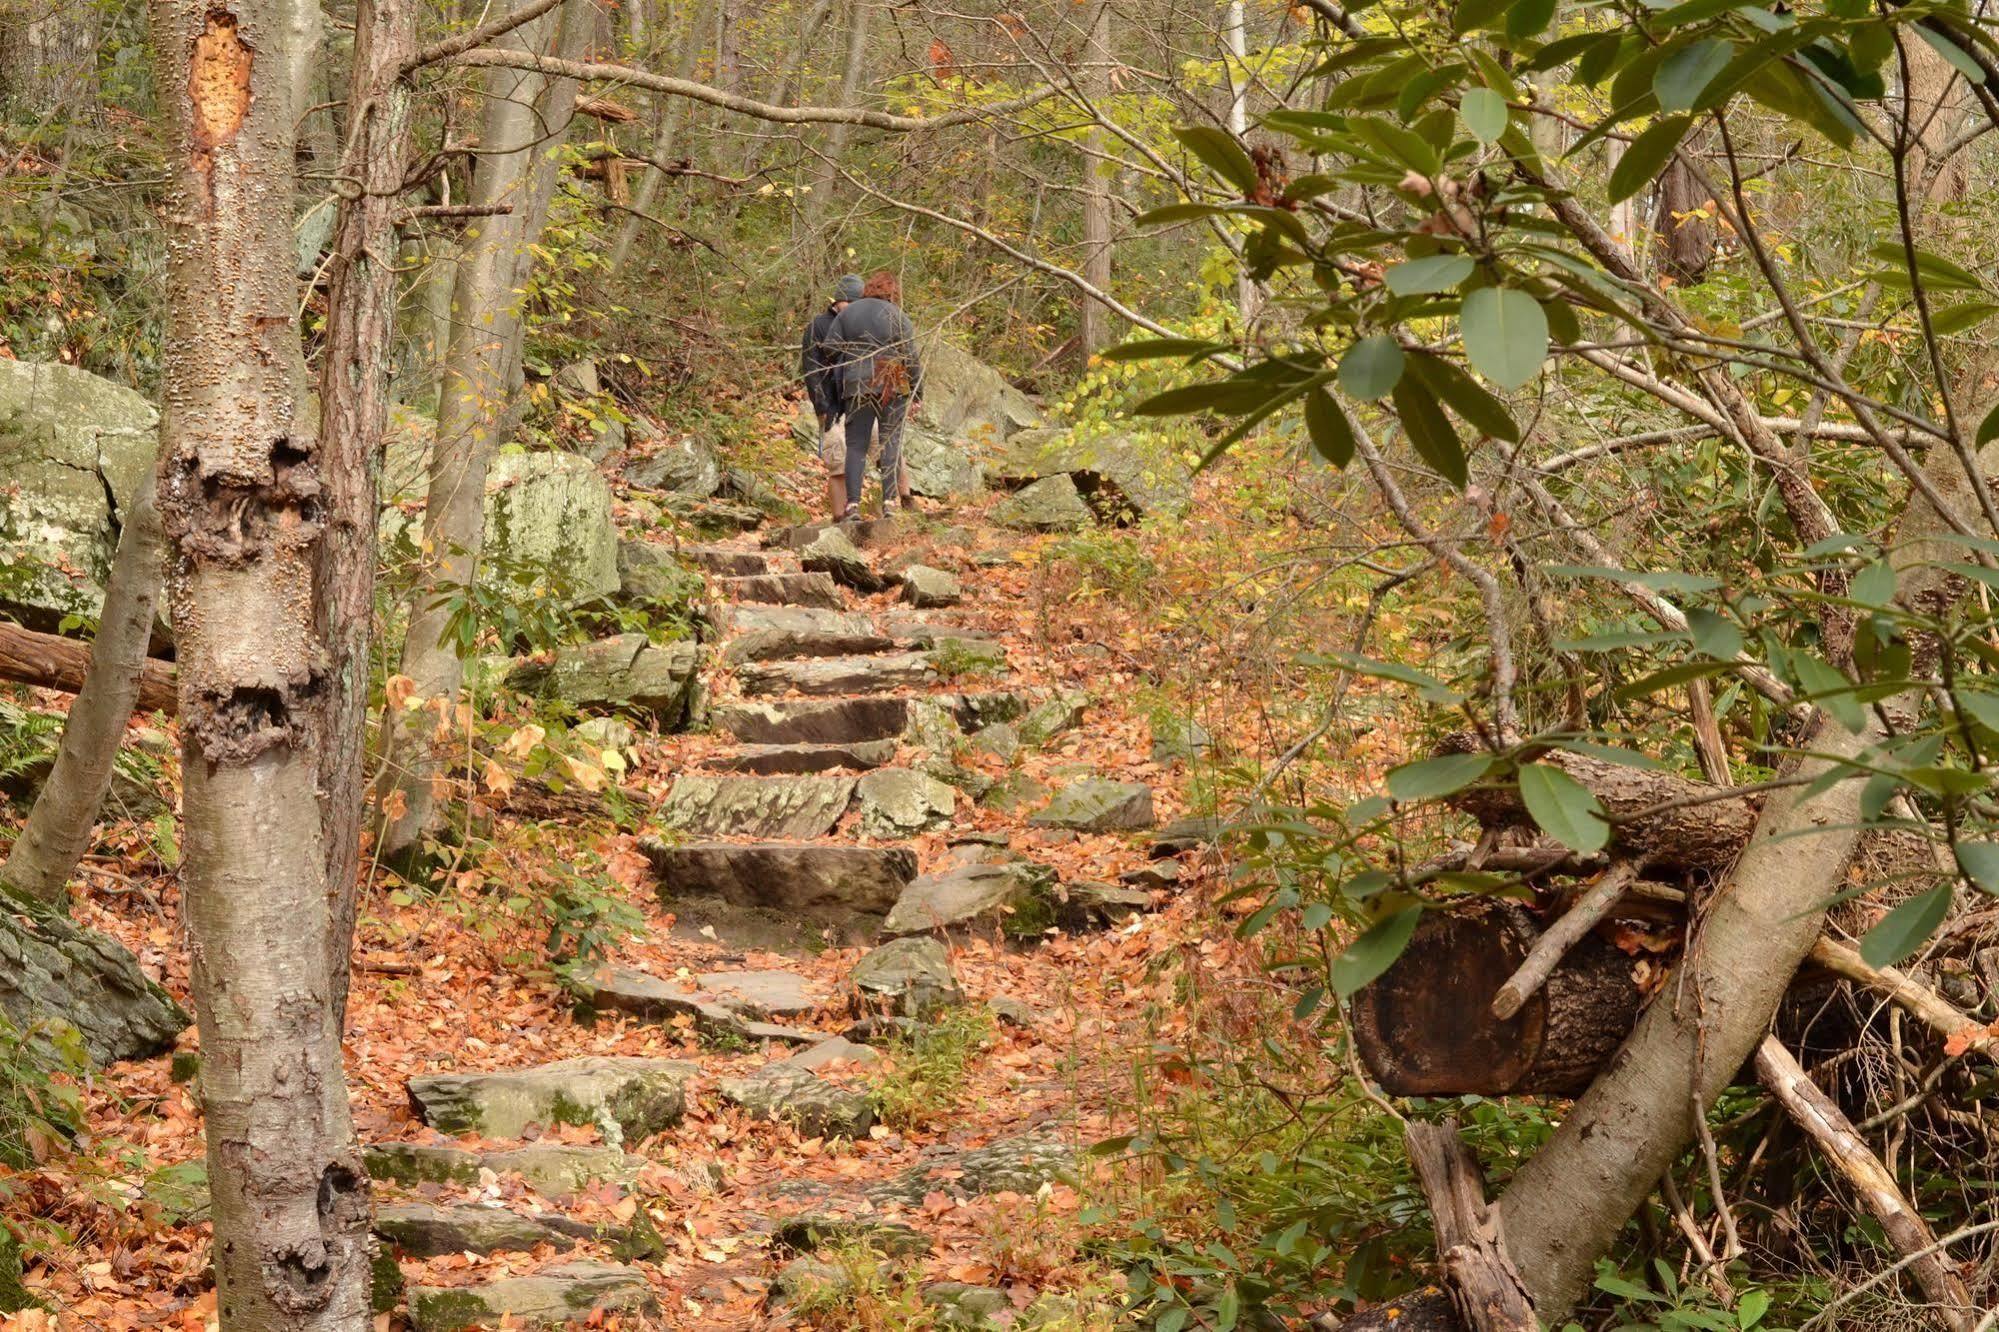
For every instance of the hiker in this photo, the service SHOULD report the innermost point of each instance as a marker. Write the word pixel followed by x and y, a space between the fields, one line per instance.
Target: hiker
pixel 881 382
pixel 817 367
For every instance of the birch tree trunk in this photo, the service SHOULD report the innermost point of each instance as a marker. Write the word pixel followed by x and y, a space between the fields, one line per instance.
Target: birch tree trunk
pixel 59 826
pixel 527 117
pixel 353 412
pixel 242 500
pixel 1094 320
pixel 1249 295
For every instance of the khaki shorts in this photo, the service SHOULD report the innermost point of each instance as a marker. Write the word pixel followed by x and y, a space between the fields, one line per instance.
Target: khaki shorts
pixel 833 446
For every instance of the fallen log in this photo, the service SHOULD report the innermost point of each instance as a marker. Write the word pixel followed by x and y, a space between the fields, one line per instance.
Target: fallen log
pixel 1426 1027
pixel 54 662
pixel 1671 822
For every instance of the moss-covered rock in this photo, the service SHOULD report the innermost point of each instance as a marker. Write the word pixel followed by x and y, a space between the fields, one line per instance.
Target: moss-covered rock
pixel 1097 804
pixel 552 1298
pixel 625 1096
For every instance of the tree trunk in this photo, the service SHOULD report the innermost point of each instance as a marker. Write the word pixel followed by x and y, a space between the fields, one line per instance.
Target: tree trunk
pixel 59 825
pixel 825 195
pixel 54 662
pixel 1568 1203
pixel 353 412
pixel 1426 1027
pixel 1249 293
pixel 672 114
pixel 1682 241
pixel 242 503
pixel 48 55
pixel 527 116
pixel 1094 320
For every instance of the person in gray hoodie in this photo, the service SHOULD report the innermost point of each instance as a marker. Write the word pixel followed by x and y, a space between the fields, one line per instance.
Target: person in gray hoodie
pixel 818 367
pixel 881 382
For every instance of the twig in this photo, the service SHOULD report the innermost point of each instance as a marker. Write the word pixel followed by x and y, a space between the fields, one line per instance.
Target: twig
pixel 479 36
pixel 1555 942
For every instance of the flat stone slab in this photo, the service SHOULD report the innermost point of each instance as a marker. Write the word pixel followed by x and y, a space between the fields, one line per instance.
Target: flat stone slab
pixel 787 807
pixel 899 802
pixel 550 1167
pixel 784 589
pixel 838 675
pixel 1097 804
pixel 1012 896
pixel 1188 833
pixel 837 721
pixel 832 1051
pixel 552 1298
pixel 910 977
pixel 640 994
pixel 912 632
pixel 1011 1165
pixel 1087 905
pixel 773 633
pixel 761 994
pixel 788 1094
pixel 723 560
pixel 807 879
pixel 817 1230
pixel 872 532
pixel 624 1096
pixel 797 760
pixel 420 1230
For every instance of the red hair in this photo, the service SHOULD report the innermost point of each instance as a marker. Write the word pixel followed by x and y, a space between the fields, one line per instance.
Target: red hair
pixel 883 287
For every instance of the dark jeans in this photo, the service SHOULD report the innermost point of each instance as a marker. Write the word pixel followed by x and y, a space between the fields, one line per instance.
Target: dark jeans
pixel 862 417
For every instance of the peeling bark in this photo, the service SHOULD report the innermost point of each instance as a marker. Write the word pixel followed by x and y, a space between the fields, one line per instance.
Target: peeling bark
pixel 59 826
pixel 243 503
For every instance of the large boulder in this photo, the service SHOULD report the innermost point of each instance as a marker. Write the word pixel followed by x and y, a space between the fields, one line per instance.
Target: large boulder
pixel 683 465
pixel 963 396
pixel 898 802
pixel 552 511
pixel 1052 504
pixel 52 969
pixel 627 673
pixel 940 466
pixel 792 1095
pixel 73 448
pixel 1097 804
pixel 1120 476
pixel 1011 896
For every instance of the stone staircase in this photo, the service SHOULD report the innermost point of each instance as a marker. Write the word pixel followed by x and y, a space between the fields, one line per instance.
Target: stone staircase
pixel 839 698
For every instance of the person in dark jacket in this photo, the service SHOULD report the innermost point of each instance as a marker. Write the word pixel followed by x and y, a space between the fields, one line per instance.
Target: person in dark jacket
pixel 881 382
pixel 817 367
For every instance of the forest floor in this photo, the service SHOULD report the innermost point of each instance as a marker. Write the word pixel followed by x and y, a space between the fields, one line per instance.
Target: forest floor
pixel 450 980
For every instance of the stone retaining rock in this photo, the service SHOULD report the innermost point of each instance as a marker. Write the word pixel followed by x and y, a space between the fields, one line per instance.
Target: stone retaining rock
pixel 627 673
pixel 829 883
pixel 910 977
pixel 791 1095
pixel 552 1298
pixel 1097 804
pixel 421 1230
pixel 835 721
pixel 1011 896
pixel 783 589
pixel 896 802
pixel 626 1097
pixel 923 587
pixel 1051 504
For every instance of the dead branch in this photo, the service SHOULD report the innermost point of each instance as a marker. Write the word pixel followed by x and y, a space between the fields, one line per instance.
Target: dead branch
pixel 54 662
pixel 1911 996
pixel 1564 934
pixel 1487 1290
pixel 1827 1125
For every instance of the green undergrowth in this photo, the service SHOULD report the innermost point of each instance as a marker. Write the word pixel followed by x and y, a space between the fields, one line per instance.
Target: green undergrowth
pixel 924 1072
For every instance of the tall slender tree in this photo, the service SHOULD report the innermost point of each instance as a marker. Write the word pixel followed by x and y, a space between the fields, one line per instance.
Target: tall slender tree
pixel 243 501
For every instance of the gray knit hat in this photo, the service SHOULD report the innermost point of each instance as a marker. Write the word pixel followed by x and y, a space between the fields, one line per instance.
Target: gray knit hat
pixel 849 288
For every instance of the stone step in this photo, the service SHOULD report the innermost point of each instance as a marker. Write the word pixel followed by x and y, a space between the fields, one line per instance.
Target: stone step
pixel 723 560
pixel 783 807
pixel 783 589
pixel 838 721
pixel 1098 804
pixel 788 1094
pixel 873 532
pixel 838 675
pixel 420 1230
pixel 913 632
pixel 830 884
pixel 774 760
pixel 550 1167
pixel 773 633
pixel 630 1097
pixel 555 1297
pixel 640 994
